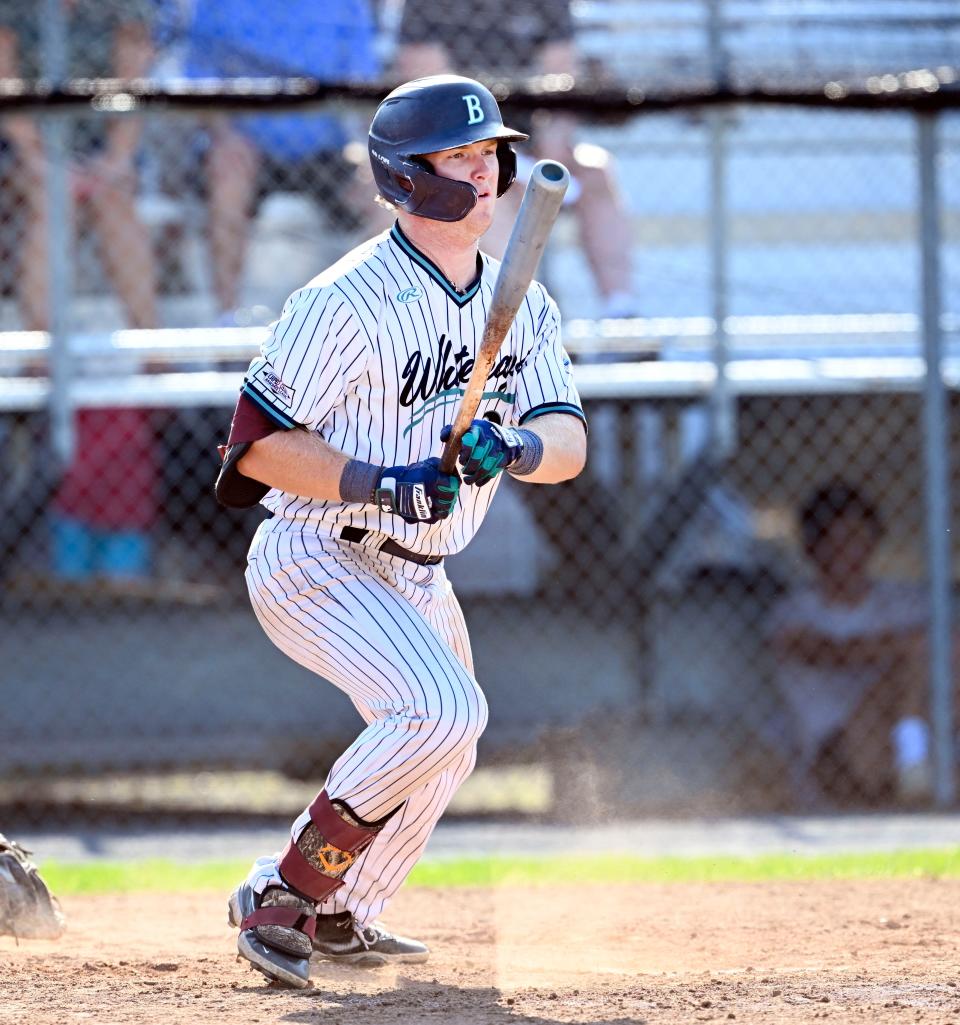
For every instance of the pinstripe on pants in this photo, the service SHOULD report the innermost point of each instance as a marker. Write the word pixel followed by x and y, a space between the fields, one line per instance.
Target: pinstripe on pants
pixel 391 635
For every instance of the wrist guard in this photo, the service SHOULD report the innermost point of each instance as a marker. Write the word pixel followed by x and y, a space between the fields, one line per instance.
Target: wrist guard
pixel 530 456
pixel 359 481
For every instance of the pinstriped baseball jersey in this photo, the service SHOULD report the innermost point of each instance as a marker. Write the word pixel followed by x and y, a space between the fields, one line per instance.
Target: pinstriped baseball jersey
pixel 374 355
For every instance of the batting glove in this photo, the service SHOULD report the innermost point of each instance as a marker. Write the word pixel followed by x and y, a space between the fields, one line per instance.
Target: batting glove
pixel 486 449
pixel 418 493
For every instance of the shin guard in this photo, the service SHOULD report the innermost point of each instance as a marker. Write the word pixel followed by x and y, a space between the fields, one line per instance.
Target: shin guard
pixel 314 864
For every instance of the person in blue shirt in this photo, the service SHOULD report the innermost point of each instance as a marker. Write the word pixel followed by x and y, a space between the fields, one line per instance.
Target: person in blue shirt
pixel 249 156
pixel 535 37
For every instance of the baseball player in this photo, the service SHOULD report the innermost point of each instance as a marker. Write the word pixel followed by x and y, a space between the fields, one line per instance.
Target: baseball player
pixel 337 432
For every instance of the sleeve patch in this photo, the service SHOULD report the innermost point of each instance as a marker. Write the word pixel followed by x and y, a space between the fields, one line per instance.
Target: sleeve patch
pixel 284 394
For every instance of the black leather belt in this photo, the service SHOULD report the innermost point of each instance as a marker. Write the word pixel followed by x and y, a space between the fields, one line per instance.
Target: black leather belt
pixel 357 534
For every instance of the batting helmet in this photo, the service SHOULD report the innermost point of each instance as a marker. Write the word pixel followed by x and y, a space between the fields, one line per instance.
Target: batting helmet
pixel 427 115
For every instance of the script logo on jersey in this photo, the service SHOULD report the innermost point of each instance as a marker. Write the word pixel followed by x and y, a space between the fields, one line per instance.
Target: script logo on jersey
pixel 409 295
pixel 438 379
pixel 474 111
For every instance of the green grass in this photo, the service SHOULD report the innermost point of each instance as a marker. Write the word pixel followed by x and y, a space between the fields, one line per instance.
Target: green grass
pixel 116 877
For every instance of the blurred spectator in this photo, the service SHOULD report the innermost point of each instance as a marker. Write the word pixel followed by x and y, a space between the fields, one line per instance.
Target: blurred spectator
pixel 250 156
pixel 490 38
pixel 107 501
pixel 107 505
pixel 850 661
pixel 105 38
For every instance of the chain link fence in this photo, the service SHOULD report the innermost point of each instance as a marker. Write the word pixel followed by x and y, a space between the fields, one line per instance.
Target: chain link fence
pixel 729 610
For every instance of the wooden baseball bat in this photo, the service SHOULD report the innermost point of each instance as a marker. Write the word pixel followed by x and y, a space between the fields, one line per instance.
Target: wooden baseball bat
pixel 541 204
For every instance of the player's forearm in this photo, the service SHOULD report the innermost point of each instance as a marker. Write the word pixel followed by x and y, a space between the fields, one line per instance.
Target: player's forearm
pixel 301 463
pixel 298 462
pixel 564 448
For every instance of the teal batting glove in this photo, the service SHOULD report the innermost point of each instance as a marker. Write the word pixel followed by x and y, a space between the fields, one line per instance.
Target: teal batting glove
pixel 486 449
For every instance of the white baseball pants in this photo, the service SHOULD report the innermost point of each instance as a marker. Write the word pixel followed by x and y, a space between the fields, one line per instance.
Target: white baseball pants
pixel 390 634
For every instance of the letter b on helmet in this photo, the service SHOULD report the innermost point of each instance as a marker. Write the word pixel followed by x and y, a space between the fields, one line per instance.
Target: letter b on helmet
pixel 474 110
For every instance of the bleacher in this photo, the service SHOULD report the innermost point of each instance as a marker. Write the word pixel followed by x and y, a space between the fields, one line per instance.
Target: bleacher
pixel 663 168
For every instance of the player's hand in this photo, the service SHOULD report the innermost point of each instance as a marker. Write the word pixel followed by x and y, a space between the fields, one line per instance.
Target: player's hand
pixel 486 449
pixel 419 493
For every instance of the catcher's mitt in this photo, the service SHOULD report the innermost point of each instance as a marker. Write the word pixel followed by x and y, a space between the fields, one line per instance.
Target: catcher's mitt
pixel 28 910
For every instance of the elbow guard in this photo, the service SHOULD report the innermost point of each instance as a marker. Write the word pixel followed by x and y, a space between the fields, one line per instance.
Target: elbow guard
pixel 250 424
pixel 232 488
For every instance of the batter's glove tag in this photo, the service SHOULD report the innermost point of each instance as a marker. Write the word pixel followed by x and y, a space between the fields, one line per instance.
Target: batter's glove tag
pixel 418 493
pixel 486 449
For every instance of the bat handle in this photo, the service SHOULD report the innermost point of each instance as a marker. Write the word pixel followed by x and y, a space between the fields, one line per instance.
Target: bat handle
pixel 448 460
pixel 451 447
pixel 541 202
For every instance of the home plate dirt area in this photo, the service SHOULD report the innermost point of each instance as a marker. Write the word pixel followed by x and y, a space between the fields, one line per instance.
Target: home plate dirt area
pixel 844 951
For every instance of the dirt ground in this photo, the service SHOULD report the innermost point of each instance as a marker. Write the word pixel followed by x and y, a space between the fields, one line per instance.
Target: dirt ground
pixel 788 952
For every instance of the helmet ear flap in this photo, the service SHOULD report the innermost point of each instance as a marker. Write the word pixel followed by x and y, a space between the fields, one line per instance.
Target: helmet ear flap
pixel 403 184
pixel 410 184
pixel 395 186
pixel 441 199
pixel 508 167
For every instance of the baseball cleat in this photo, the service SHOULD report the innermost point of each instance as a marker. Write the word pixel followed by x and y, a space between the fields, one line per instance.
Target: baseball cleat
pixel 276 929
pixel 339 938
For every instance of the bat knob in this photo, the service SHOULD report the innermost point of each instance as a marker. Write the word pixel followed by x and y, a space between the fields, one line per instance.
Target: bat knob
pixel 551 176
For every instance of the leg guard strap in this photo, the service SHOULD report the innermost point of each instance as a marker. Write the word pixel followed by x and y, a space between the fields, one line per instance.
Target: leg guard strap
pixel 289 917
pixel 315 863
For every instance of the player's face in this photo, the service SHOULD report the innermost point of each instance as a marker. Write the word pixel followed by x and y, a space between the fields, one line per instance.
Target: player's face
pixel 478 165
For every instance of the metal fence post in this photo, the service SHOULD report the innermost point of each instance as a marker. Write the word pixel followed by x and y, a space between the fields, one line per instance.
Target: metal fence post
pixel 936 443
pixel 722 408
pixel 56 136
